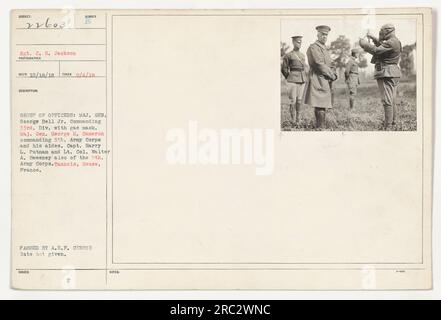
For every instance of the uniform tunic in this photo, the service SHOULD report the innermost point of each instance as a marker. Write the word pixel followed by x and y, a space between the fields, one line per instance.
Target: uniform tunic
pixel 351 76
pixel 386 55
pixel 318 91
pixel 293 69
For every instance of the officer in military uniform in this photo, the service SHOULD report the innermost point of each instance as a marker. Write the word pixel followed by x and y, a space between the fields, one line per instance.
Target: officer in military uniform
pixel 351 77
pixel 294 70
pixel 386 53
pixel 321 76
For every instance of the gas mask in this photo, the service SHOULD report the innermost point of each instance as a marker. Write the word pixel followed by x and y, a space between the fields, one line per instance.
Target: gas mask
pixel 386 32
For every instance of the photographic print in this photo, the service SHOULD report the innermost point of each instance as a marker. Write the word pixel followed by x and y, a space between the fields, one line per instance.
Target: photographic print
pixel 149 149
pixel 348 73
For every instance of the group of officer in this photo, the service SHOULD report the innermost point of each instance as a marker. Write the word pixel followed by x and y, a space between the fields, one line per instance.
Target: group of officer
pixel 320 73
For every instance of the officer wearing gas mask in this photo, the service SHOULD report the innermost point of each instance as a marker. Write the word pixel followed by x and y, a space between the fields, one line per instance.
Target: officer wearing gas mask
pixel 386 53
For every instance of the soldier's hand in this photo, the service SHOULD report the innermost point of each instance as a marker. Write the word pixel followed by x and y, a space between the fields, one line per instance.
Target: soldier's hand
pixel 363 42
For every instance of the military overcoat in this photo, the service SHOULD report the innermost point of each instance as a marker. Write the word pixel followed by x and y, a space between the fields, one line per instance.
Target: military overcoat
pixel 321 74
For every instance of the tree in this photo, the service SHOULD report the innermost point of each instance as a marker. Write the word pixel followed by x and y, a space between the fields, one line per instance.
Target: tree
pixel 407 64
pixel 284 47
pixel 340 50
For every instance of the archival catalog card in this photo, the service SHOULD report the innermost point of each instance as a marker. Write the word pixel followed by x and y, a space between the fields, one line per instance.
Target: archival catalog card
pixel 213 149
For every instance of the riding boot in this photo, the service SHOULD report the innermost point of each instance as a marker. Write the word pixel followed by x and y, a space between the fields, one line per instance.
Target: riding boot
pixel 291 112
pixel 297 112
pixel 351 103
pixel 395 111
pixel 388 116
pixel 322 113
pixel 317 118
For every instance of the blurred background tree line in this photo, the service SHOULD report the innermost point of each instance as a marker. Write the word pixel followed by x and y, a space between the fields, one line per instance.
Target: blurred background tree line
pixel 407 62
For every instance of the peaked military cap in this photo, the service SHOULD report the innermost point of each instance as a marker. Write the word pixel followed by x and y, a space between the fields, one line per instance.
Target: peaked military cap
pixel 296 37
pixel 323 29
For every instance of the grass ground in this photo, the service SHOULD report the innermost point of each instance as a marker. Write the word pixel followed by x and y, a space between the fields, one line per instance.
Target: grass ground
pixel 367 115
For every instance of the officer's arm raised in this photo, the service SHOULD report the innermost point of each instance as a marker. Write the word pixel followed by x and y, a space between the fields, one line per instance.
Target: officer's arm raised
pixel 372 49
pixel 374 39
pixel 384 47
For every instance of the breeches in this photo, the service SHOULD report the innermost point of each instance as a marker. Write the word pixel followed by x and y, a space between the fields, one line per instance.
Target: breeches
pixel 388 90
pixel 352 89
pixel 295 92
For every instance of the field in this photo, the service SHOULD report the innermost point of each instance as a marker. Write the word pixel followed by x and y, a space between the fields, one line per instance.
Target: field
pixel 367 115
